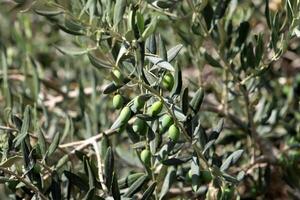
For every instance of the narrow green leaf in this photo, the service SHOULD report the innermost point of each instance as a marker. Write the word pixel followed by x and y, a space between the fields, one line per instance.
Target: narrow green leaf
pixel 210 60
pixel 162 49
pixel 208 14
pixel 98 63
pixel 67 128
pixel 76 180
pixel 197 100
pixel 175 161
pixel 41 141
pixel 176 90
pixel 195 172
pixel 179 114
pixel 148 193
pixel 71 50
pixel 151 44
pixel 134 137
pixel 89 172
pixel 185 101
pixel 122 52
pixel 136 186
pixel 74 26
pixel 232 159
pixel 72 32
pixel 169 180
pixel 10 161
pixel 159 62
pixel 25 126
pixel 119 11
pixel 109 168
pixel 165 4
pixel 267 14
pixel 230 178
pixel 55 186
pixel 140 22
pixel 243 33
pixel 173 52
pixel 221 8
pixel 48 11
pixel 208 145
pixel 90 194
pixel 53 146
pixel 129 180
pixel 149 30
pixel 115 188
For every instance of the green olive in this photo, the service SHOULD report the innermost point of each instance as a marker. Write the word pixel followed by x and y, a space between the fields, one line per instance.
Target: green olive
pixel 138 102
pixel 146 157
pixel 118 101
pixel 125 114
pixel 206 176
pixel 173 133
pixel 139 126
pixel 117 76
pixel 156 108
pixel 168 81
pixel 189 176
pixel 166 122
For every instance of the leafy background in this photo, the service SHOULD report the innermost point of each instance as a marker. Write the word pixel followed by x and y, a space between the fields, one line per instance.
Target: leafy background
pixel 60 134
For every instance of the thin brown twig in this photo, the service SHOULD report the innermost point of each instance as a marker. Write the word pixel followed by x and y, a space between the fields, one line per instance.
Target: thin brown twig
pixel 28 184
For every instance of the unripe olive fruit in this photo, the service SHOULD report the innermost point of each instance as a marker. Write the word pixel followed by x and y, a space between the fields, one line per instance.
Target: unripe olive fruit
pixel 156 108
pixel 118 75
pixel 138 102
pixel 168 81
pixel 118 101
pixel 146 157
pixel 139 126
pixel 125 114
pixel 166 122
pixel 173 133
pixel 206 176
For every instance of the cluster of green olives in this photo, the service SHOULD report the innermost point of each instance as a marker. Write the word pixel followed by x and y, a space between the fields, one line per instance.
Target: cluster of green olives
pixel 140 126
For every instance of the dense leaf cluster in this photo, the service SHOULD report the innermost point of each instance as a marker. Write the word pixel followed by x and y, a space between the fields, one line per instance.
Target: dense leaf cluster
pixel 156 99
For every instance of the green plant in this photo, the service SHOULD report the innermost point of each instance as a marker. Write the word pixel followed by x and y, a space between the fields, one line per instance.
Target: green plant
pixel 146 157
pixel 168 81
pixel 173 133
pixel 156 108
pixel 220 77
pixel 118 101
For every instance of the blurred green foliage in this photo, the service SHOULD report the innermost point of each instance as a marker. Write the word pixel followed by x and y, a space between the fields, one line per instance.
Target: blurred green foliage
pixel 90 88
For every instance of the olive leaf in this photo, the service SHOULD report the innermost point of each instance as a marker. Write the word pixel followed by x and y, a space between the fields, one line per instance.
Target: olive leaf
pixel 148 193
pixel 169 180
pixel 135 187
pixel 231 160
pixel 25 126
pixel 119 10
pixel 160 63
pixel 173 52
pixel 109 168
pixel 197 100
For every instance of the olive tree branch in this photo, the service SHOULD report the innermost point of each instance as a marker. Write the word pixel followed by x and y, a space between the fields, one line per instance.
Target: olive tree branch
pixel 28 184
pixel 177 123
